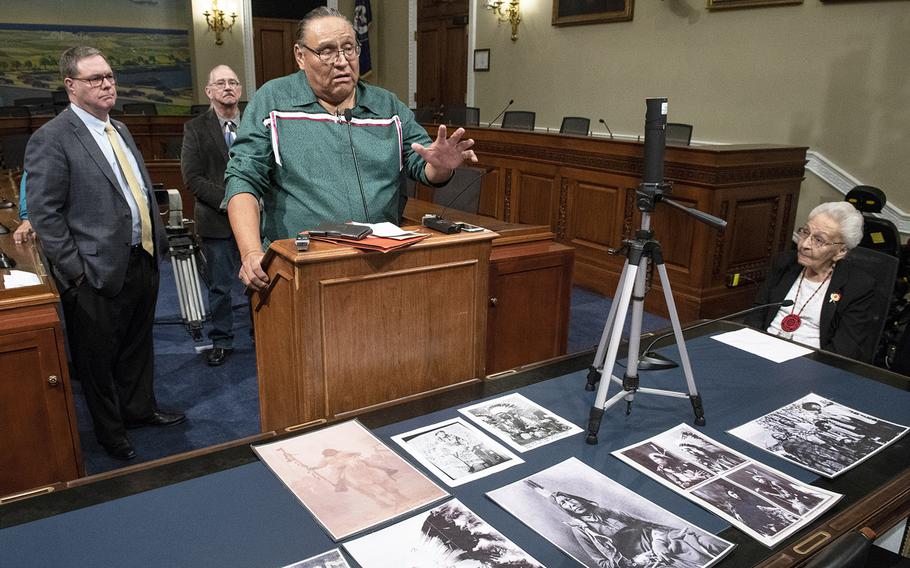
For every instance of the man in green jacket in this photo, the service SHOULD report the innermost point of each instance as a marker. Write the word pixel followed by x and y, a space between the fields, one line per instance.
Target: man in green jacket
pixel 320 146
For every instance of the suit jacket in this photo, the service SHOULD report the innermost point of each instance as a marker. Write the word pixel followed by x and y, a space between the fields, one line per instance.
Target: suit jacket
pixel 203 160
pixel 77 207
pixel 847 326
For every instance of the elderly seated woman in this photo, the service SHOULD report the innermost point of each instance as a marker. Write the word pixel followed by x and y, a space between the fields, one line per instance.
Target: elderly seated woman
pixel 834 298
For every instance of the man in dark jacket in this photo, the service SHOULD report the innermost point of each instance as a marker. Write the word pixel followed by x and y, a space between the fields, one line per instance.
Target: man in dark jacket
pixel 206 141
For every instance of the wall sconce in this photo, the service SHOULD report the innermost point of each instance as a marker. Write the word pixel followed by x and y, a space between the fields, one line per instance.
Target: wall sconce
pixel 216 22
pixel 506 11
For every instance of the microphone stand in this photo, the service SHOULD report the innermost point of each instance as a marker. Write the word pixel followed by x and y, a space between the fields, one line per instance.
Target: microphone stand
pixel 604 122
pixel 502 112
pixel 348 116
pixel 651 361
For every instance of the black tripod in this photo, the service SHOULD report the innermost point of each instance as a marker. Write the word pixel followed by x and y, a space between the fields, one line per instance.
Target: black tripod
pixel 632 287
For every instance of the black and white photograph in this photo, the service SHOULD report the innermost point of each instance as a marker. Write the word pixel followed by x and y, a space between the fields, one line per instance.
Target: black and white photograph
pixel 449 535
pixel 797 498
pixel 329 559
pixel 660 461
pixel 820 435
pixel 602 524
pixel 347 478
pixel 764 503
pixel 746 508
pixel 456 452
pixel 520 423
pixel 688 443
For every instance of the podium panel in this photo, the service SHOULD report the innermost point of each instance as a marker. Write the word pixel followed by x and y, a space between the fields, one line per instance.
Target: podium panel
pixel 340 331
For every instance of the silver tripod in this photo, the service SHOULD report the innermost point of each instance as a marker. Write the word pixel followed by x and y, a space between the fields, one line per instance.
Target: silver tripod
pixel 185 259
pixel 632 287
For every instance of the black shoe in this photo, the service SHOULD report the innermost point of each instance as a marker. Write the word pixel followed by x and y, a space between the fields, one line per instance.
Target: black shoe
pixel 159 418
pixel 122 451
pixel 217 356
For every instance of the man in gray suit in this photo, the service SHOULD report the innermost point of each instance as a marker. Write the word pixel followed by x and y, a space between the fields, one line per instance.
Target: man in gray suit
pixel 206 140
pixel 90 202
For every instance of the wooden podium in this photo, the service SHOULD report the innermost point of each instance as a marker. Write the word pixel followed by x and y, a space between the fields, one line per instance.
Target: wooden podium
pixel 340 331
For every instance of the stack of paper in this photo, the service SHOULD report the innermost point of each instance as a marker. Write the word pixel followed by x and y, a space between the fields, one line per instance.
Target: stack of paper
pixel 384 238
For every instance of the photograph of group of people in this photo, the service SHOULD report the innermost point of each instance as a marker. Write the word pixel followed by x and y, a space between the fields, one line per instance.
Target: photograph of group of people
pixel 820 435
pixel 764 503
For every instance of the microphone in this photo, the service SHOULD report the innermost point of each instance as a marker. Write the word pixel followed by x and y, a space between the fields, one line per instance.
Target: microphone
pixel 439 222
pixel 348 116
pixel 502 112
pixel 604 122
pixel 650 360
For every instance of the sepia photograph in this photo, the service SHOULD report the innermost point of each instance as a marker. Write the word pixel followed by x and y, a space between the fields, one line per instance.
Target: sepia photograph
pixel 820 435
pixel 764 503
pixel 449 535
pixel 347 478
pixel 330 559
pixel 520 423
pixel 600 523
pixel 456 452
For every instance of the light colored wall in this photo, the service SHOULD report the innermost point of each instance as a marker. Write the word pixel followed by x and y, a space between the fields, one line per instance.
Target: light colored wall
pixel 388 44
pixel 207 55
pixel 833 77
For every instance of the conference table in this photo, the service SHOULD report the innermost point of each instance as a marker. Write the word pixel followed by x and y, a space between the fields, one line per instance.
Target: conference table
pixel 222 507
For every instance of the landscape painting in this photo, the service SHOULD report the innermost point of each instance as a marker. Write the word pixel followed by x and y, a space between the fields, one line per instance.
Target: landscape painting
pixel 151 65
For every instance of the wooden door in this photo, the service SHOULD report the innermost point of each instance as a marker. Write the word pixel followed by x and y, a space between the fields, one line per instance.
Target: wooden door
pixel 442 53
pixel 273 44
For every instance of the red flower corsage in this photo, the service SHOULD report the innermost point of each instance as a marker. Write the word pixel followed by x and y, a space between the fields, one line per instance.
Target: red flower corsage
pixel 834 297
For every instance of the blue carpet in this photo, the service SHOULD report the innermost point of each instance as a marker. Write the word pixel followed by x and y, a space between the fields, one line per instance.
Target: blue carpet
pixel 589 315
pixel 222 403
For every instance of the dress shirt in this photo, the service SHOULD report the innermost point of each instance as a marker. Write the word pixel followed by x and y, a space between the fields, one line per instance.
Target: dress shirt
pixel 96 127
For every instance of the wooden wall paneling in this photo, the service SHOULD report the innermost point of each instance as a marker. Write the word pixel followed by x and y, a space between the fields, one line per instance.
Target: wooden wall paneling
pixel 431 43
pixel 535 192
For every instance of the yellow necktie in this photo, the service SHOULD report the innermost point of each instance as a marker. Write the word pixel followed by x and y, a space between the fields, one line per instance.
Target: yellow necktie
pixel 144 220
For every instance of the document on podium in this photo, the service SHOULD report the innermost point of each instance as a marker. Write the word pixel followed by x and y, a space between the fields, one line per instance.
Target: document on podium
pixel 762 344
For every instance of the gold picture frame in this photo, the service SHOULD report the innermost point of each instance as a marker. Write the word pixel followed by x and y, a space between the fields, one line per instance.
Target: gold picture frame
pixel 730 4
pixel 581 12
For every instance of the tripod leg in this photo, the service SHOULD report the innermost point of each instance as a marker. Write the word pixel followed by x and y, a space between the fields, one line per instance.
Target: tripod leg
pixel 624 294
pixel 594 371
pixel 694 397
pixel 630 381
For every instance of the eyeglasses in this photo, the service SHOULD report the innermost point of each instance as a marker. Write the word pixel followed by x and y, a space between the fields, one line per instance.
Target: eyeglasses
pixel 329 55
pixel 222 83
pixel 804 233
pixel 98 80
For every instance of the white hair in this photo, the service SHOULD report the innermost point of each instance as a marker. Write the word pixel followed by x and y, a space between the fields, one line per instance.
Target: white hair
pixel 847 217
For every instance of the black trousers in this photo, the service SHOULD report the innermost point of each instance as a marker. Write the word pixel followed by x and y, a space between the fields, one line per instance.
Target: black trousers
pixel 112 350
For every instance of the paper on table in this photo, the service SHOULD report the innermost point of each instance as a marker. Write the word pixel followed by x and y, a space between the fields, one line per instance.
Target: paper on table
pixel 19 279
pixel 762 344
pixel 385 229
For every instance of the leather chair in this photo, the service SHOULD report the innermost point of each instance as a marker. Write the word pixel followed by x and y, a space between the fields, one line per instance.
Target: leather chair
pixel 878 234
pixel 519 119
pixel 463 190
pixel 198 109
pixel 15 111
pixel 883 268
pixel 147 109
pixel 12 151
pixel 424 115
pixel 578 125
pixel 462 116
pixel 679 133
